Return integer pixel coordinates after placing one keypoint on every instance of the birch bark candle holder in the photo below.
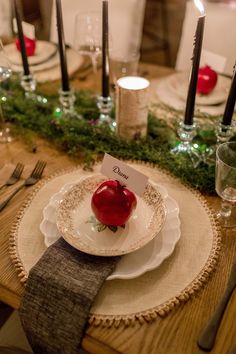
(132, 93)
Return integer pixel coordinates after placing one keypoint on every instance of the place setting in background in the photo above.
(173, 92)
(212, 87)
(42, 56)
(203, 80)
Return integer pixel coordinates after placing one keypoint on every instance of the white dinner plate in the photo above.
(74, 60)
(44, 51)
(74, 213)
(136, 263)
(179, 82)
(166, 95)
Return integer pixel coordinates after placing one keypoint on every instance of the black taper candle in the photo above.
(189, 110)
(230, 103)
(62, 48)
(105, 50)
(21, 40)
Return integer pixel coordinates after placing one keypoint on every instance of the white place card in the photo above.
(126, 175)
(215, 61)
(28, 29)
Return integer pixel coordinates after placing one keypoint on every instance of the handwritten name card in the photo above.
(126, 175)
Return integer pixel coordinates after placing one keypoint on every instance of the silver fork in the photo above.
(15, 176)
(34, 177)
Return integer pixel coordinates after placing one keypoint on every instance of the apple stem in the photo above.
(119, 185)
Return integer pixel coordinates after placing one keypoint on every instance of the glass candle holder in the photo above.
(66, 105)
(186, 134)
(29, 84)
(223, 134)
(105, 105)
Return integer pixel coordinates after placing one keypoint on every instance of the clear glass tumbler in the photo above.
(123, 64)
(225, 182)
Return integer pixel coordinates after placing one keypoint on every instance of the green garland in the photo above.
(84, 139)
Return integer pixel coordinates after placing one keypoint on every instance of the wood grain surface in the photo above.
(176, 333)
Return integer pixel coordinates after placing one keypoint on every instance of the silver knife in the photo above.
(207, 338)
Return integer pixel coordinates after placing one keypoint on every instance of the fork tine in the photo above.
(15, 172)
(18, 170)
(22, 168)
(35, 168)
(39, 170)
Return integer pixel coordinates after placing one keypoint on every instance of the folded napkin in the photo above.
(59, 293)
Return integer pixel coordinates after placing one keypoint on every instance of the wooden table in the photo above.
(177, 333)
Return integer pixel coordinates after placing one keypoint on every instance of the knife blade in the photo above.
(207, 337)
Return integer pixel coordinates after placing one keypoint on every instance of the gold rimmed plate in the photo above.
(73, 219)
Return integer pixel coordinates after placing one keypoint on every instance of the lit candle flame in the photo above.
(199, 6)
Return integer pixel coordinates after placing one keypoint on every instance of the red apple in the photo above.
(113, 203)
(30, 45)
(207, 80)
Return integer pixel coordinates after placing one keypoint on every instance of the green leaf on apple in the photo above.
(112, 228)
(100, 227)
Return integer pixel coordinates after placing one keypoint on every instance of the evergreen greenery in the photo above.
(84, 139)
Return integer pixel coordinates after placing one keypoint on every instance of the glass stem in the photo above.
(225, 210)
(94, 63)
(94, 60)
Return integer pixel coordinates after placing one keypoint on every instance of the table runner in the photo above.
(152, 294)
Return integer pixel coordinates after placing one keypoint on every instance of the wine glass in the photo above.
(5, 73)
(226, 182)
(88, 37)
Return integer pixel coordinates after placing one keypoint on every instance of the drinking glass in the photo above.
(88, 37)
(226, 182)
(123, 64)
(5, 73)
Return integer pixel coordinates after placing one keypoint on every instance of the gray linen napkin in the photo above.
(59, 293)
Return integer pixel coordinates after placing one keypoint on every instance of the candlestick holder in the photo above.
(29, 84)
(66, 105)
(105, 105)
(186, 134)
(223, 134)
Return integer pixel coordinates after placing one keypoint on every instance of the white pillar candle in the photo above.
(132, 106)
